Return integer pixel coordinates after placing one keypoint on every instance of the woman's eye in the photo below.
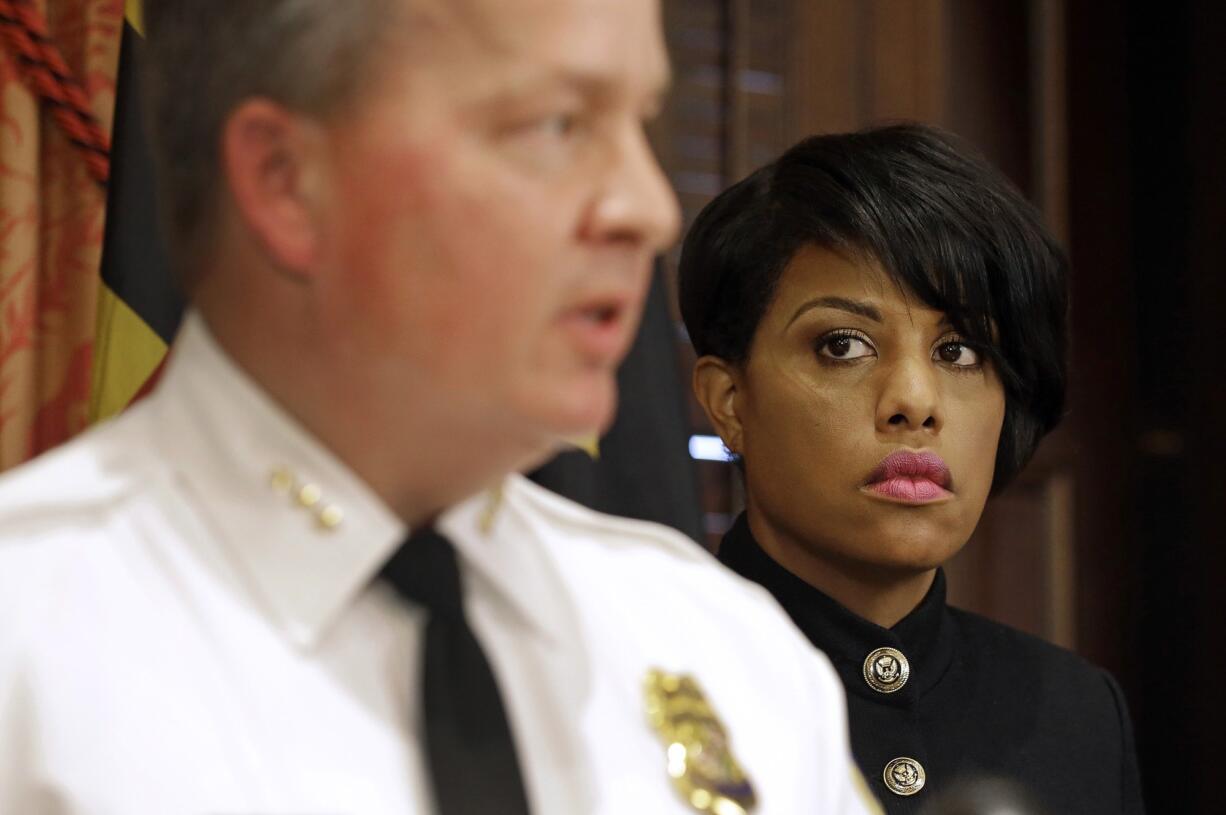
(957, 353)
(844, 347)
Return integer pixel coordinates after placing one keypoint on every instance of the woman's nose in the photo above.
(909, 398)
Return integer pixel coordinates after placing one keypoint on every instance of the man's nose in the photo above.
(637, 205)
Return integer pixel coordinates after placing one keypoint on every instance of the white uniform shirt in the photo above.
(180, 634)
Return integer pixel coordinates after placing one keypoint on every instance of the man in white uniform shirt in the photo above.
(416, 235)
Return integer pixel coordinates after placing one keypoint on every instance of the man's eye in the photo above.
(844, 347)
(957, 353)
(548, 142)
(558, 126)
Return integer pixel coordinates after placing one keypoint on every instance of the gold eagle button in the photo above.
(886, 670)
(699, 757)
(904, 776)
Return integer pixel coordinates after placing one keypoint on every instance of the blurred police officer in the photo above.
(302, 576)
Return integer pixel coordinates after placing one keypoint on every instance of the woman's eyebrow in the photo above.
(857, 307)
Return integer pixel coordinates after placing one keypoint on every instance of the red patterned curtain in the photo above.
(51, 227)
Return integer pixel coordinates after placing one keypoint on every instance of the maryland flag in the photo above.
(139, 306)
(640, 469)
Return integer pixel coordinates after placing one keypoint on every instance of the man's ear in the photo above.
(716, 385)
(272, 159)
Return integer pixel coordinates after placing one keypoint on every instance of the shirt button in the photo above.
(904, 776)
(886, 670)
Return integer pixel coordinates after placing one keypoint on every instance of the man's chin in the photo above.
(547, 447)
(585, 414)
(575, 418)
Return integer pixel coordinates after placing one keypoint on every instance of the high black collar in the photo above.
(925, 636)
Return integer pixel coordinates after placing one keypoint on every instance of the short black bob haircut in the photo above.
(943, 223)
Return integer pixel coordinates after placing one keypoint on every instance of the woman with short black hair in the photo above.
(881, 320)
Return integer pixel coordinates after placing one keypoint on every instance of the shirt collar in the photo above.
(502, 538)
(925, 636)
(305, 534)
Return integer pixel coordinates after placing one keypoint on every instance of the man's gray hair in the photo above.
(204, 57)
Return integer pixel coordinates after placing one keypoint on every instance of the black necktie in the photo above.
(468, 741)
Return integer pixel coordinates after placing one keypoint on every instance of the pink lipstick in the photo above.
(910, 477)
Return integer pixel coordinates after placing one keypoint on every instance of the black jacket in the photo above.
(981, 700)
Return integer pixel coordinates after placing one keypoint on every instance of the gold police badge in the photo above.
(700, 760)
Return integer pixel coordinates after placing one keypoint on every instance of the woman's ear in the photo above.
(716, 384)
